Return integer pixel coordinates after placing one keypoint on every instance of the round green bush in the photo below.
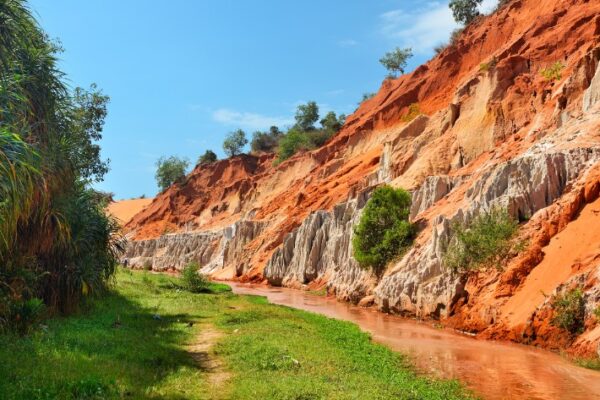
(384, 231)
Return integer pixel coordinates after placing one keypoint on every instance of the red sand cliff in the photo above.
(502, 115)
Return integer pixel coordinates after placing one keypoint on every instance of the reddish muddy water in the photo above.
(493, 370)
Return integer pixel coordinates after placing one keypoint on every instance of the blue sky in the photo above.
(182, 74)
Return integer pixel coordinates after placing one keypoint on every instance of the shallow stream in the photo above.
(493, 370)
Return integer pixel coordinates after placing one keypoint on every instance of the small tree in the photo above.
(266, 141)
(367, 96)
(384, 231)
(332, 123)
(170, 170)
(208, 157)
(306, 116)
(235, 142)
(395, 60)
(465, 11)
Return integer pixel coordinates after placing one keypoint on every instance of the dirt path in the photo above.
(200, 351)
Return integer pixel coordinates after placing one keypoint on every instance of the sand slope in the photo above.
(124, 210)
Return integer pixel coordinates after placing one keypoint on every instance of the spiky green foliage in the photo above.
(56, 244)
(384, 231)
(487, 240)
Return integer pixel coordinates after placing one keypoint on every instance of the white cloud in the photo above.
(248, 120)
(488, 6)
(421, 29)
(347, 43)
(425, 27)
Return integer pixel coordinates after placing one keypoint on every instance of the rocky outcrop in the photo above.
(419, 284)
(175, 251)
(321, 250)
(213, 251)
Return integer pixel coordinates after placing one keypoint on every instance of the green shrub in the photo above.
(20, 316)
(597, 312)
(208, 157)
(553, 72)
(265, 141)
(293, 141)
(487, 240)
(488, 66)
(384, 231)
(569, 311)
(589, 363)
(414, 110)
(192, 280)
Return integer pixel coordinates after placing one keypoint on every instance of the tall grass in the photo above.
(56, 243)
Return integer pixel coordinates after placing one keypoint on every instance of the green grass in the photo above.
(133, 343)
(590, 363)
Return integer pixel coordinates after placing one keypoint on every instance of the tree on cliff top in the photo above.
(170, 170)
(395, 60)
(208, 157)
(234, 143)
(307, 115)
(465, 11)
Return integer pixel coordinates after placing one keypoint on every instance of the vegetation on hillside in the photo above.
(304, 135)
(487, 240)
(208, 157)
(234, 143)
(170, 170)
(384, 231)
(192, 280)
(553, 72)
(569, 310)
(56, 243)
(465, 11)
(266, 142)
(135, 343)
(414, 110)
(395, 61)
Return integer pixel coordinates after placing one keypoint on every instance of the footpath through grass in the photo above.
(135, 344)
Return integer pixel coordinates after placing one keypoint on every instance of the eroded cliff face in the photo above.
(497, 136)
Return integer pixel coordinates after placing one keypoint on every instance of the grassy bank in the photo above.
(148, 339)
